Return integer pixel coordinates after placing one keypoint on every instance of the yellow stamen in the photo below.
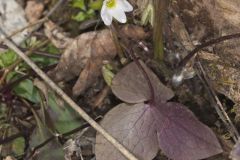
(111, 3)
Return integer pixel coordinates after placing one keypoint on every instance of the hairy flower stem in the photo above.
(140, 67)
(131, 54)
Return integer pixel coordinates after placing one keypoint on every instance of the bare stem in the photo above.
(160, 10)
(136, 60)
(140, 67)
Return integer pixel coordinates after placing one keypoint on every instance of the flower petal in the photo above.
(118, 14)
(126, 6)
(106, 17)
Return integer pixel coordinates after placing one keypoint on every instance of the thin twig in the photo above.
(100, 97)
(54, 137)
(8, 69)
(219, 107)
(68, 100)
(36, 52)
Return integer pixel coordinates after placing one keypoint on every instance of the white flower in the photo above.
(115, 9)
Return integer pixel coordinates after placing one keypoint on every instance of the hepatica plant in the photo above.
(145, 126)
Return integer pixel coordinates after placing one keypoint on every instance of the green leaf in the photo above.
(51, 49)
(65, 117)
(107, 73)
(148, 15)
(18, 146)
(7, 58)
(79, 4)
(26, 90)
(82, 16)
(52, 150)
(95, 4)
(43, 61)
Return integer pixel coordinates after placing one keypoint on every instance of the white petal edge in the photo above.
(118, 14)
(106, 16)
(126, 6)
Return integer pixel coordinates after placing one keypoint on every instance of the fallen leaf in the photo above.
(34, 10)
(9, 158)
(84, 55)
(131, 86)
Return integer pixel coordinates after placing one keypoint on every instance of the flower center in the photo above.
(110, 3)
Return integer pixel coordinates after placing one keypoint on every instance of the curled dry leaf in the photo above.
(34, 10)
(131, 125)
(131, 86)
(85, 54)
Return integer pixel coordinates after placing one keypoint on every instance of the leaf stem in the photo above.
(136, 60)
(206, 44)
(131, 53)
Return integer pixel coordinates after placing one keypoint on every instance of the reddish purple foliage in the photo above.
(178, 133)
(235, 153)
(133, 126)
(181, 136)
(130, 85)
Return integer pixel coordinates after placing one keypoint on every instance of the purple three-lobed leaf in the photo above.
(181, 136)
(144, 128)
(134, 127)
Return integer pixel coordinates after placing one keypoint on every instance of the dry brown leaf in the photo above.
(9, 158)
(84, 55)
(34, 10)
